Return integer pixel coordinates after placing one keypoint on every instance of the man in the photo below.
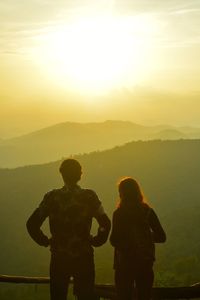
(70, 211)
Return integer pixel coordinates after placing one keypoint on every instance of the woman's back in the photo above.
(131, 234)
(135, 229)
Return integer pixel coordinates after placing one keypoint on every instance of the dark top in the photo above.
(70, 212)
(135, 229)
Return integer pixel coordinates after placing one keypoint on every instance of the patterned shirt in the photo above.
(70, 212)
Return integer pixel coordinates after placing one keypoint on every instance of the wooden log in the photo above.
(24, 279)
(108, 291)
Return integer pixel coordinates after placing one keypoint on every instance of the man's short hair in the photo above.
(70, 170)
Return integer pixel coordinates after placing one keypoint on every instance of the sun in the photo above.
(95, 54)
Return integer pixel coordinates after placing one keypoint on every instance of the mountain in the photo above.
(192, 132)
(168, 172)
(64, 139)
(61, 140)
(170, 134)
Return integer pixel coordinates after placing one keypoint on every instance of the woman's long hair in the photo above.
(130, 193)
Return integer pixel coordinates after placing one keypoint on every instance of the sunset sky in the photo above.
(94, 60)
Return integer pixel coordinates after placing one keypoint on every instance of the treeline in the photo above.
(168, 172)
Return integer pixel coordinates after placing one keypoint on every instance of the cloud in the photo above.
(21, 20)
(181, 25)
(186, 11)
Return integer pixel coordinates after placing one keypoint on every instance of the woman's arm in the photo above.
(117, 238)
(158, 232)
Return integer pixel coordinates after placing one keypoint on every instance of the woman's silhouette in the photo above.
(135, 229)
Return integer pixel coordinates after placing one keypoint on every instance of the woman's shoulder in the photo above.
(117, 211)
(146, 208)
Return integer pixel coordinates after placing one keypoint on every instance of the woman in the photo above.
(135, 229)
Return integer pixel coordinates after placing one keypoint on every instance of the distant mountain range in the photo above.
(66, 139)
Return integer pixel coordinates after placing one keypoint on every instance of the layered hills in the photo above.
(168, 172)
(62, 140)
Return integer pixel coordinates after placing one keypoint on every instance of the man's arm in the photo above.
(36, 220)
(102, 219)
(104, 228)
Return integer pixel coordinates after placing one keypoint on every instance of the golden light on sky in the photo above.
(97, 53)
(92, 60)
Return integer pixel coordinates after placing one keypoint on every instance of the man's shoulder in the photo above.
(90, 193)
(79, 190)
(52, 193)
(85, 195)
(91, 198)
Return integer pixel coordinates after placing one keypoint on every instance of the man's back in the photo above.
(70, 212)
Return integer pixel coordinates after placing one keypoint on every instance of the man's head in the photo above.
(70, 170)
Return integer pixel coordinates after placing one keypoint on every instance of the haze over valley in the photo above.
(65, 139)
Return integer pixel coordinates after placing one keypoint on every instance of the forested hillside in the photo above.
(169, 173)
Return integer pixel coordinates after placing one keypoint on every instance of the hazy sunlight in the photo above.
(96, 54)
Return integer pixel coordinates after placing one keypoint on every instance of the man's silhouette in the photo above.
(70, 211)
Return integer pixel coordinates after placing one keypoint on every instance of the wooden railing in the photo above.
(108, 291)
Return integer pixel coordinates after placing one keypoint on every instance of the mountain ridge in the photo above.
(69, 138)
(168, 172)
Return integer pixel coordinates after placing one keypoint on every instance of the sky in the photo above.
(88, 61)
